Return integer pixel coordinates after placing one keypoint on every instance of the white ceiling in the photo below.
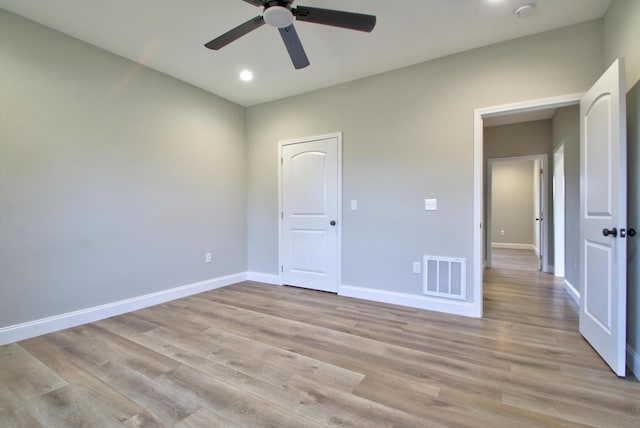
(168, 36)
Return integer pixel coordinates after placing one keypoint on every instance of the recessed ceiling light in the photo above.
(246, 75)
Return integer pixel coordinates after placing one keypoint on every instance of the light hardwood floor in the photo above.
(253, 355)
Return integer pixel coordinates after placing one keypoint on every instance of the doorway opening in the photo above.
(516, 200)
(509, 113)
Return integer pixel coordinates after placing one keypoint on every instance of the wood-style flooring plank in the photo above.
(100, 394)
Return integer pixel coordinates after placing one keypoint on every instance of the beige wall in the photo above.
(408, 135)
(114, 179)
(512, 202)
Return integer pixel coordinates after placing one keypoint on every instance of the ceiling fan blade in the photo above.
(294, 46)
(336, 18)
(255, 2)
(235, 33)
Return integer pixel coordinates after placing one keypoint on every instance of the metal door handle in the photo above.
(613, 232)
(332, 222)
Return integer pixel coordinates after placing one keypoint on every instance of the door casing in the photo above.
(558, 211)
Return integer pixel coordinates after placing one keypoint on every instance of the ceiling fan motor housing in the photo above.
(278, 14)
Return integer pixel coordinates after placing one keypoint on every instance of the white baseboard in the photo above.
(633, 361)
(572, 291)
(510, 246)
(410, 300)
(17, 332)
(265, 278)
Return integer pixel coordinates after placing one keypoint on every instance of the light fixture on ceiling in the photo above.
(524, 10)
(246, 75)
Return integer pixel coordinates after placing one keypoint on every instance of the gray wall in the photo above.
(622, 38)
(114, 179)
(408, 135)
(518, 139)
(512, 202)
(633, 220)
(566, 130)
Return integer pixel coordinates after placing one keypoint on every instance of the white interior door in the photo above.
(310, 202)
(603, 208)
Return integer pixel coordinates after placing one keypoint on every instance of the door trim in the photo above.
(478, 174)
(281, 144)
(558, 213)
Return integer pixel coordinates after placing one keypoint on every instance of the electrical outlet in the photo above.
(502, 232)
(417, 267)
(207, 257)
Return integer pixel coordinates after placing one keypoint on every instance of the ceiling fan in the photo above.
(280, 14)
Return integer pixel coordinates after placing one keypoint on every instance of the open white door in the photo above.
(310, 210)
(603, 211)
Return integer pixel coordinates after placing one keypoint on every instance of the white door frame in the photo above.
(478, 142)
(558, 211)
(543, 207)
(281, 144)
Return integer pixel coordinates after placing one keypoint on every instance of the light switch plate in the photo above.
(354, 205)
(417, 267)
(430, 204)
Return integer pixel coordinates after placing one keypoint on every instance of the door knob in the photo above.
(332, 222)
(613, 232)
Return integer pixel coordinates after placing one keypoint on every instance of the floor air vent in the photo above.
(445, 277)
